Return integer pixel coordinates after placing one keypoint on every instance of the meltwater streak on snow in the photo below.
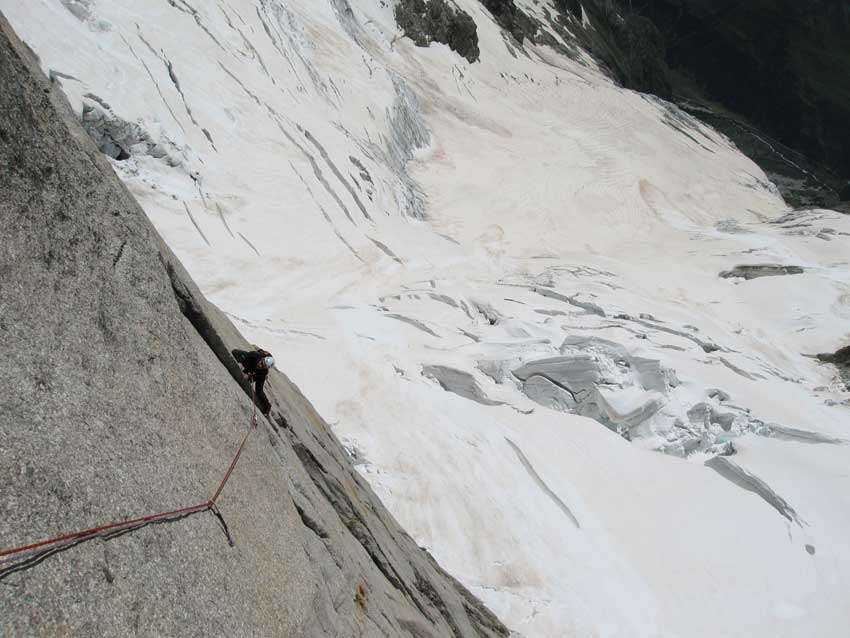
(407, 211)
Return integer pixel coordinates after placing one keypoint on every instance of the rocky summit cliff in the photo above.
(118, 399)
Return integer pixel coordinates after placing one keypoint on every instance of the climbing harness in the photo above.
(19, 558)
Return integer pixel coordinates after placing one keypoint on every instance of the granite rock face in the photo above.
(118, 398)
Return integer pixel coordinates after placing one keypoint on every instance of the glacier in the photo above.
(510, 285)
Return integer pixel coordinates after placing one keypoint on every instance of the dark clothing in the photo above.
(249, 362)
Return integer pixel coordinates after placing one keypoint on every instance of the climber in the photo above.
(255, 364)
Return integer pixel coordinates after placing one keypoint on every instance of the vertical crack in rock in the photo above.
(353, 521)
(542, 484)
(119, 254)
(482, 621)
(310, 523)
(427, 590)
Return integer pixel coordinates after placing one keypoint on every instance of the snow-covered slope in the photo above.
(501, 281)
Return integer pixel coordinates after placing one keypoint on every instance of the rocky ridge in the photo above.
(437, 21)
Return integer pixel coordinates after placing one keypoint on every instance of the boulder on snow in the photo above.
(754, 271)
(840, 357)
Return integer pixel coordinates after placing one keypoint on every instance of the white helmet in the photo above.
(268, 362)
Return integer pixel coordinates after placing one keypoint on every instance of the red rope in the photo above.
(241, 446)
(17, 554)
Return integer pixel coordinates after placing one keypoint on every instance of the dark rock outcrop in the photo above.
(783, 65)
(118, 398)
(754, 271)
(511, 18)
(840, 359)
(426, 21)
(571, 7)
(627, 44)
(771, 76)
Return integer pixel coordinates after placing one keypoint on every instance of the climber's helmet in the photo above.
(267, 362)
